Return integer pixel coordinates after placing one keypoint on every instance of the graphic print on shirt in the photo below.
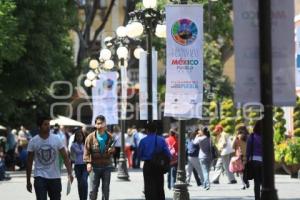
(46, 154)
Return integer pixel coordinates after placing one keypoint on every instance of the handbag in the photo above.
(214, 151)
(249, 168)
(160, 161)
(236, 165)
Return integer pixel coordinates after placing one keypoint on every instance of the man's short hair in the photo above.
(40, 120)
(101, 118)
(151, 127)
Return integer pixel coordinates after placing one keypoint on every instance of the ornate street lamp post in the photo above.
(150, 21)
(119, 46)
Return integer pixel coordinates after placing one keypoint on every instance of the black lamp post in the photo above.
(265, 40)
(150, 21)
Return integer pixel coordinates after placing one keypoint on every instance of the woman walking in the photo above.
(239, 145)
(205, 153)
(254, 154)
(80, 167)
(193, 160)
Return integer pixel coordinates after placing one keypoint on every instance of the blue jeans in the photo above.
(42, 186)
(205, 166)
(82, 175)
(104, 175)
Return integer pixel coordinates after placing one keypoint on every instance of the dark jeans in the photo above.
(257, 178)
(117, 155)
(82, 175)
(153, 183)
(136, 160)
(42, 186)
(104, 175)
(196, 175)
(172, 176)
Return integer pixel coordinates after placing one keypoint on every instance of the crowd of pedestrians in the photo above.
(96, 154)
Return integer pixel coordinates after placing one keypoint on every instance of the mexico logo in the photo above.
(184, 32)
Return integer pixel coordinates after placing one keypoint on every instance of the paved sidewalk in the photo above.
(288, 189)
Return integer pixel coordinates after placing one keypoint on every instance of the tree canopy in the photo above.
(35, 50)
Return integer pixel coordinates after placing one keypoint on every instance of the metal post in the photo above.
(180, 187)
(122, 167)
(268, 189)
(149, 71)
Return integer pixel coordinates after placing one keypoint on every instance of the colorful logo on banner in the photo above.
(108, 84)
(184, 32)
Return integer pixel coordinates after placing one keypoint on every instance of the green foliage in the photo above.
(213, 115)
(228, 116)
(11, 40)
(46, 56)
(297, 132)
(239, 118)
(296, 116)
(288, 151)
(279, 125)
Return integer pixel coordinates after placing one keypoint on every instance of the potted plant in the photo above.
(288, 153)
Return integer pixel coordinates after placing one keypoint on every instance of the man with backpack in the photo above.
(153, 177)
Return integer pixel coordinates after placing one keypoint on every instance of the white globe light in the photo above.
(149, 3)
(129, 30)
(105, 54)
(137, 52)
(90, 75)
(121, 31)
(109, 64)
(161, 31)
(87, 83)
(134, 29)
(118, 75)
(94, 82)
(122, 52)
(93, 64)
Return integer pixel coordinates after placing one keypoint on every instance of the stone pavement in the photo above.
(288, 189)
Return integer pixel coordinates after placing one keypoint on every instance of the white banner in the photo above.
(283, 46)
(246, 51)
(184, 85)
(143, 85)
(123, 92)
(105, 98)
(297, 56)
(246, 46)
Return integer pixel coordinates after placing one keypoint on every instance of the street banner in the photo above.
(143, 80)
(105, 98)
(184, 68)
(123, 92)
(246, 51)
(297, 56)
(246, 47)
(283, 55)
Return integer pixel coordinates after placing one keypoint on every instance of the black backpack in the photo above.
(160, 161)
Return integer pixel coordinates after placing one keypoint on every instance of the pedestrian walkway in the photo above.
(288, 189)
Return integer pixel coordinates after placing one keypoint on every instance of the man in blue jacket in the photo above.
(153, 179)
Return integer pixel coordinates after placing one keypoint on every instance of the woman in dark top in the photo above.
(254, 153)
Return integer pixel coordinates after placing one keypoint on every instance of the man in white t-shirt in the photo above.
(44, 149)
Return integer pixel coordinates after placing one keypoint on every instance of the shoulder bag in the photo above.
(160, 161)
